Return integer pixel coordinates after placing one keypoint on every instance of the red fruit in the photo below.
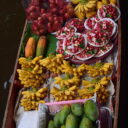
(33, 15)
(56, 23)
(70, 11)
(31, 8)
(55, 18)
(37, 8)
(65, 8)
(62, 12)
(43, 11)
(54, 10)
(44, 15)
(49, 24)
(60, 19)
(42, 31)
(66, 16)
(50, 19)
(52, 1)
(34, 28)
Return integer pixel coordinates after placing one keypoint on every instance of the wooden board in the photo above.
(8, 121)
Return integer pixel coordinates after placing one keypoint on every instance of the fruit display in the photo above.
(31, 99)
(88, 8)
(76, 115)
(47, 18)
(109, 11)
(68, 62)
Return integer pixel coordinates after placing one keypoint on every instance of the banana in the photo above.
(92, 2)
(90, 6)
(85, 8)
(77, 8)
(75, 1)
(82, 7)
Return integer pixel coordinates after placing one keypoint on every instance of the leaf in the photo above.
(94, 81)
(98, 65)
(51, 44)
(82, 45)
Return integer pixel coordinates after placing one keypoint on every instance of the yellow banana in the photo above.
(90, 6)
(77, 8)
(75, 1)
(85, 8)
(92, 2)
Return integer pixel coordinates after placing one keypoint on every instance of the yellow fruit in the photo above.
(113, 2)
(75, 1)
(99, 4)
(105, 1)
(80, 15)
(90, 14)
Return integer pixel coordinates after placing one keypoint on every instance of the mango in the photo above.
(86, 123)
(63, 114)
(71, 121)
(91, 110)
(63, 126)
(57, 120)
(51, 124)
(77, 109)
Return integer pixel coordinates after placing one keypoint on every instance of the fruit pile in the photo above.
(96, 39)
(45, 16)
(76, 115)
(31, 98)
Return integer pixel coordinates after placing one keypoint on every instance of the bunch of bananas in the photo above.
(95, 86)
(31, 74)
(64, 94)
(103, 94)
(100, 69)
(31, 99)
(85, 8)
(68, 82)
(53, 63)
(28, 79)
(57, 64)
(76, 71)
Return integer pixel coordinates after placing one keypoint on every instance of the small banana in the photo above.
(75, 1)
(85, 8)
(92, 2)
(90, 6)
(81, 7)
(77, 8)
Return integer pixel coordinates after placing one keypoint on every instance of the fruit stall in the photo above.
(67, 71)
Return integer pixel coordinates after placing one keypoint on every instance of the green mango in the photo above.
(63, 114)
(63, 126)
(77, 109)
(86, 123)
(91, 110)
(51, 124)
(71, 121)
(57, 120)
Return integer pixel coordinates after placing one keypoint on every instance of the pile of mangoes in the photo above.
(76, 116)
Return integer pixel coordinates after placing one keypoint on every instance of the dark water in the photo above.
(12, 20)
